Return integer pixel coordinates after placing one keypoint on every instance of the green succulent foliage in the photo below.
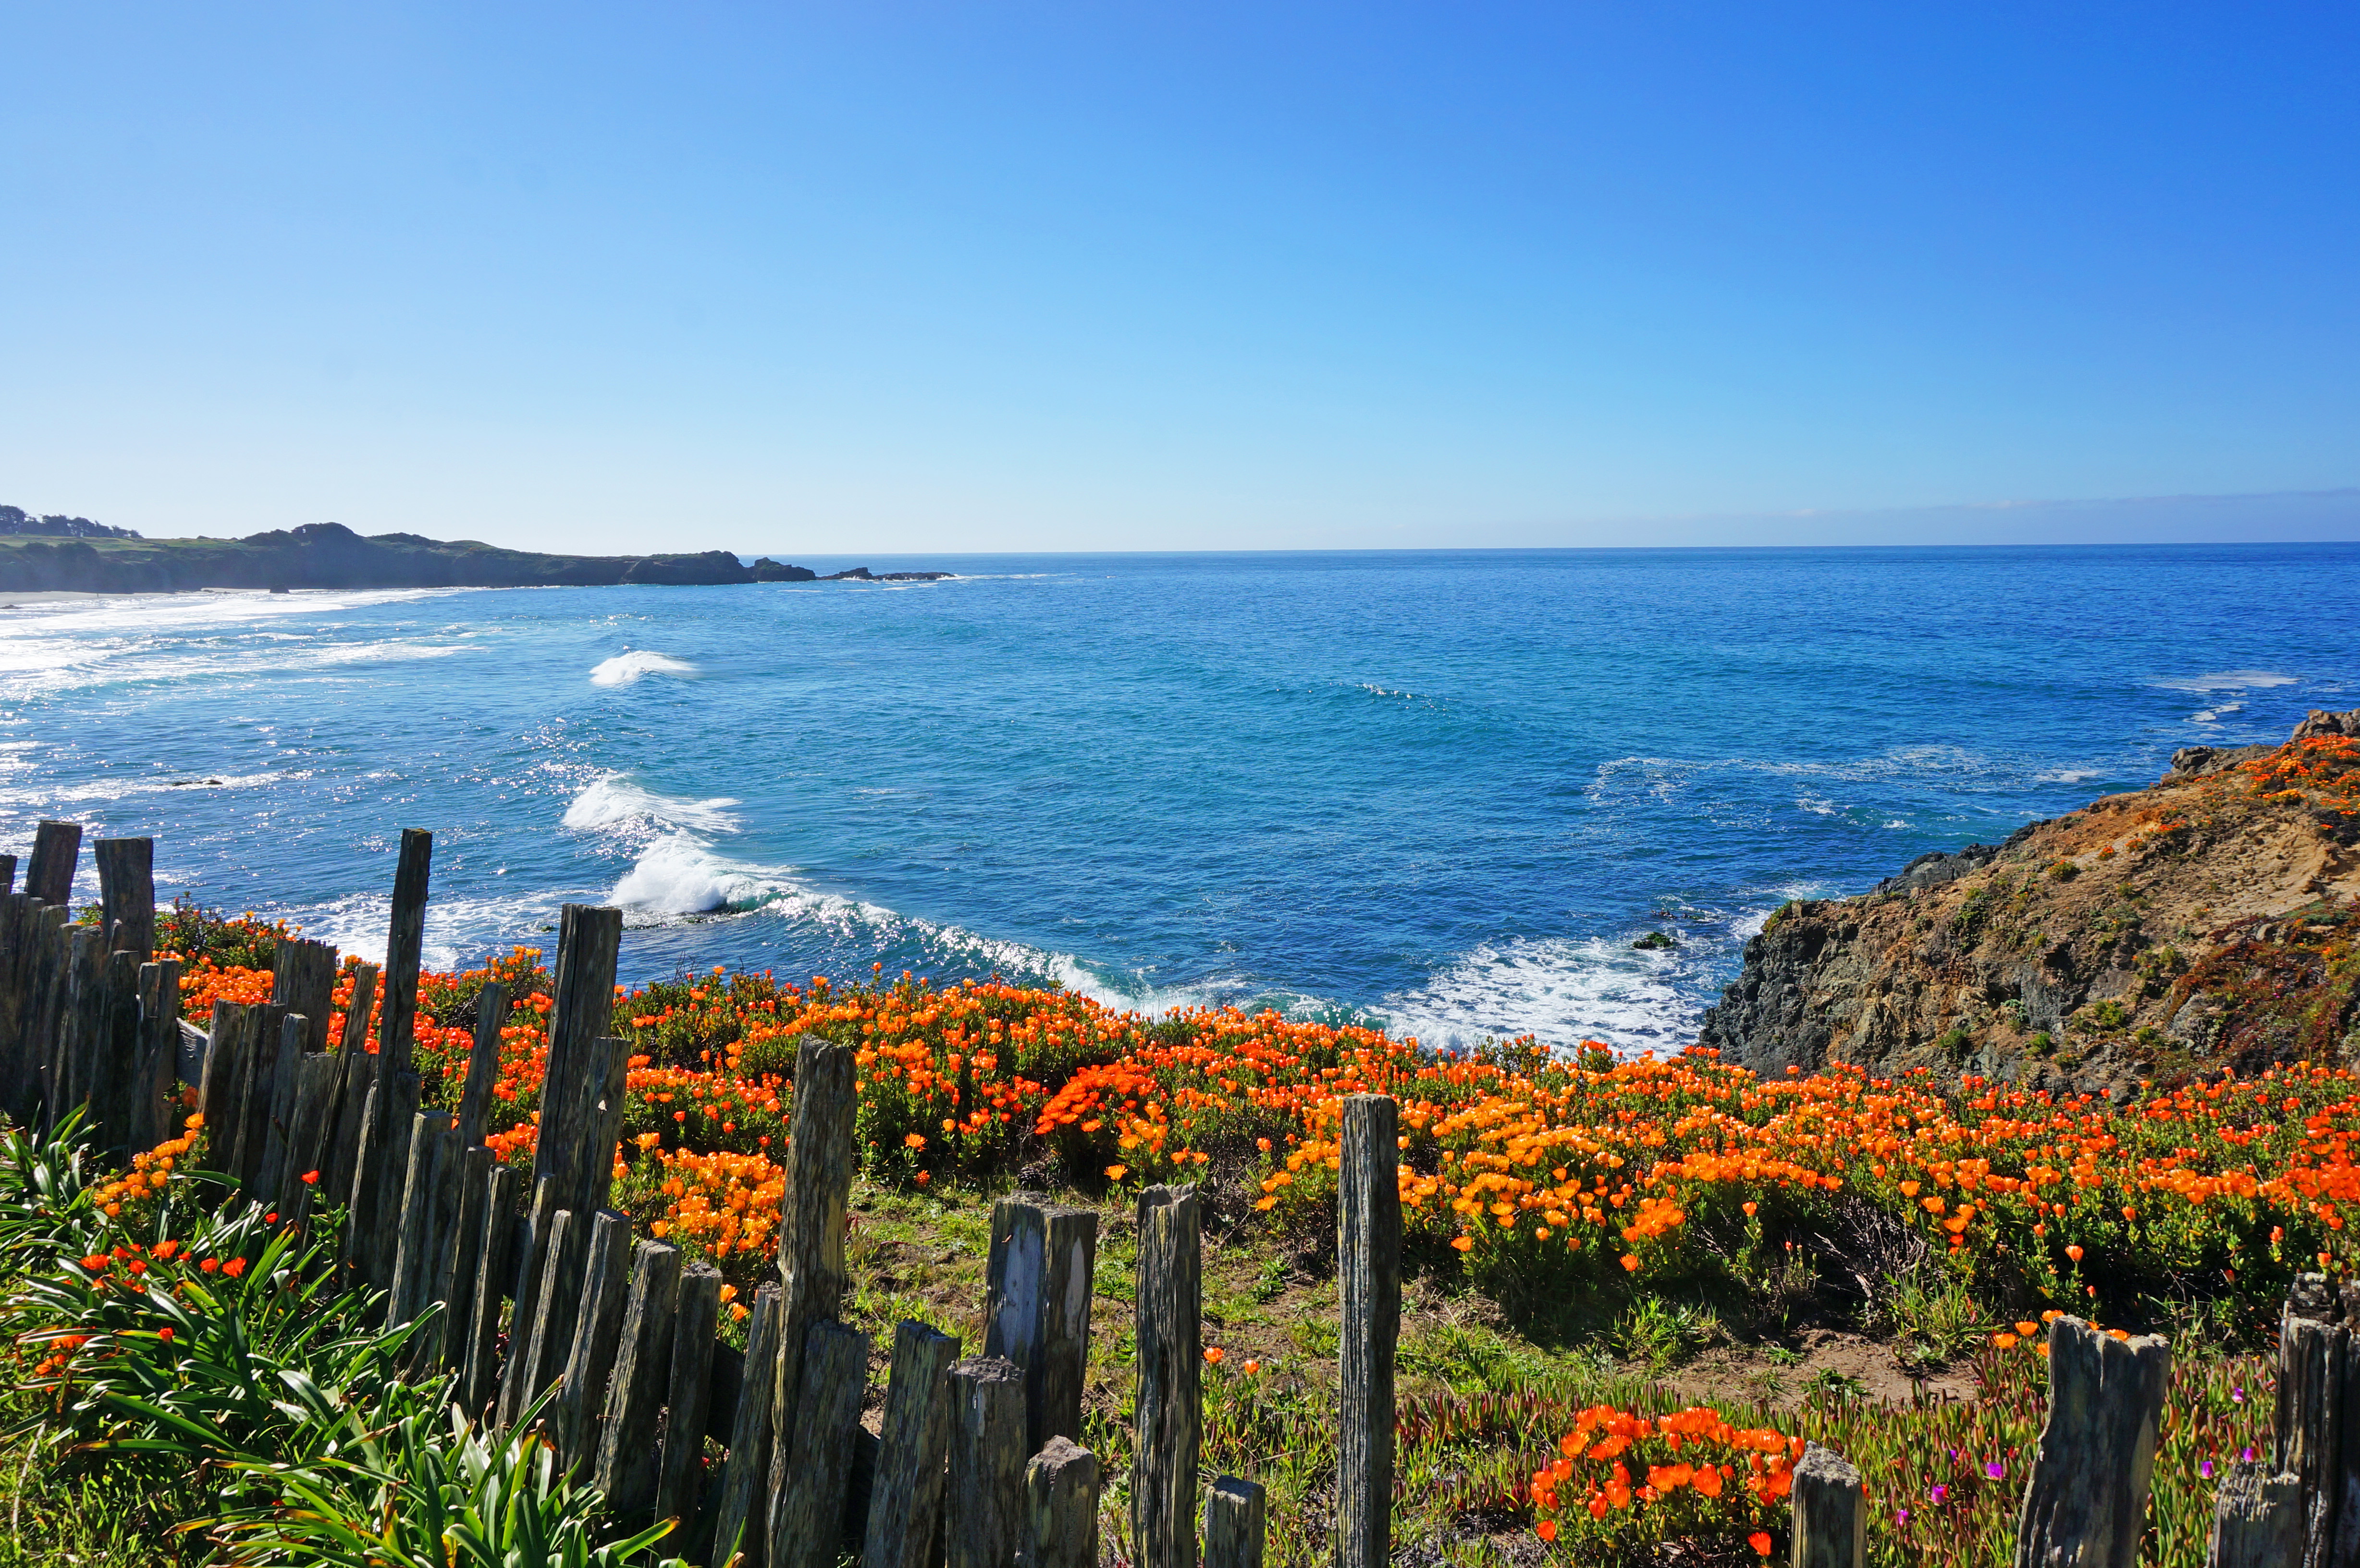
(45, 1207)
(209, 1367)
(427, 1490)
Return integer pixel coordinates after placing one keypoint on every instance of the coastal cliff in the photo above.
(329, 555)
(2206, 920)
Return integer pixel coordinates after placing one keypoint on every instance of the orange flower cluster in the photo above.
(723, 1203)
(2318, 771)
(1511, 1155)
(1696, 1451)
(203, 983)
(151, 1171)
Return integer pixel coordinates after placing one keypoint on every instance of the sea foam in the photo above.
(639, 663)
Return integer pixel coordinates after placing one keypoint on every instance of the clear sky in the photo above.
(881, 278)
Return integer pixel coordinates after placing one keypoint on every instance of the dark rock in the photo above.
(1935, 868)
(2198, 761)
(2323, 722)
(768, 571)
(1653, 941)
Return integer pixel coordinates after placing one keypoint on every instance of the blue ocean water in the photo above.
(1447, 790)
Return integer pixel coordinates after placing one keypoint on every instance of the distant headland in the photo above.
(75, 555)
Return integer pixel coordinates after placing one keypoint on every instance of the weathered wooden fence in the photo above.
(546, 1303)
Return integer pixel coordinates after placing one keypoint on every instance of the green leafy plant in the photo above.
(426, 1490)
(232, 1345)
(45, 1207)
(1931, 1318)
(1663, 1333)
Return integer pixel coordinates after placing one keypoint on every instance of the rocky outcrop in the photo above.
(2207, 919)
(329, 555)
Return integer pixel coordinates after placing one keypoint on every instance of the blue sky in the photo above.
(883, 277)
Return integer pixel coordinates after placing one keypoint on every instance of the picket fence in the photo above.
(548, 1305)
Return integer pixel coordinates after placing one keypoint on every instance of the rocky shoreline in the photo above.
(2207, 920)
(329, 555)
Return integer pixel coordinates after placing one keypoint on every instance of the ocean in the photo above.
(1442, 791)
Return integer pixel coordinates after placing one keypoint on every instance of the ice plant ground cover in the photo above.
(1577, 1194)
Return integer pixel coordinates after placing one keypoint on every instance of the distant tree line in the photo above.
(16, 520)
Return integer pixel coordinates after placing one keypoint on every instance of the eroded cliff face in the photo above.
(2208, 920)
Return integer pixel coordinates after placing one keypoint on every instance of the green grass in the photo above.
(92, 1520)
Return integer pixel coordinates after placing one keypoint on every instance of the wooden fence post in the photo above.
(222, 1094)
(986, 1524)
(494, 1267)
(1061, 1506)
(7, 875)
(558, 1305)
(265, 1043)
(1368, 1271)
(1069, 1282)
(522, 1379)
(126, 895)
(1039, 1283)
(2085, 1501)
(1233, 1524)
(738, 1517)
(483, 1063)
(626, 1447)
(820, 1155)
(384, 1133)
(315, 1088)
(358, 1075)
(1170, 1358)
(398, 1094)
(687, 1390)
(50, 877)
(1013, 1278)
(13, 919)
(2312, 1352)
(405, 940)
(157, 1079)
(807, 1516)
(303, 980)
(369, 1158)
(582, 1396)
(582, 1011)
(1829, 1516)
(416, 1246)
(45, 1008)
(117, 1086)
(907, 1501)
(456, 1284)
(286, 1077)
(2257, 1521)
(80, 1023)
(20, 927)
(532, 1262)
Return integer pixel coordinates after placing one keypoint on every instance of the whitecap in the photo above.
(679, 874)
(2228, 681)
(613, 800)
(1562, 990)
(626, 667)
